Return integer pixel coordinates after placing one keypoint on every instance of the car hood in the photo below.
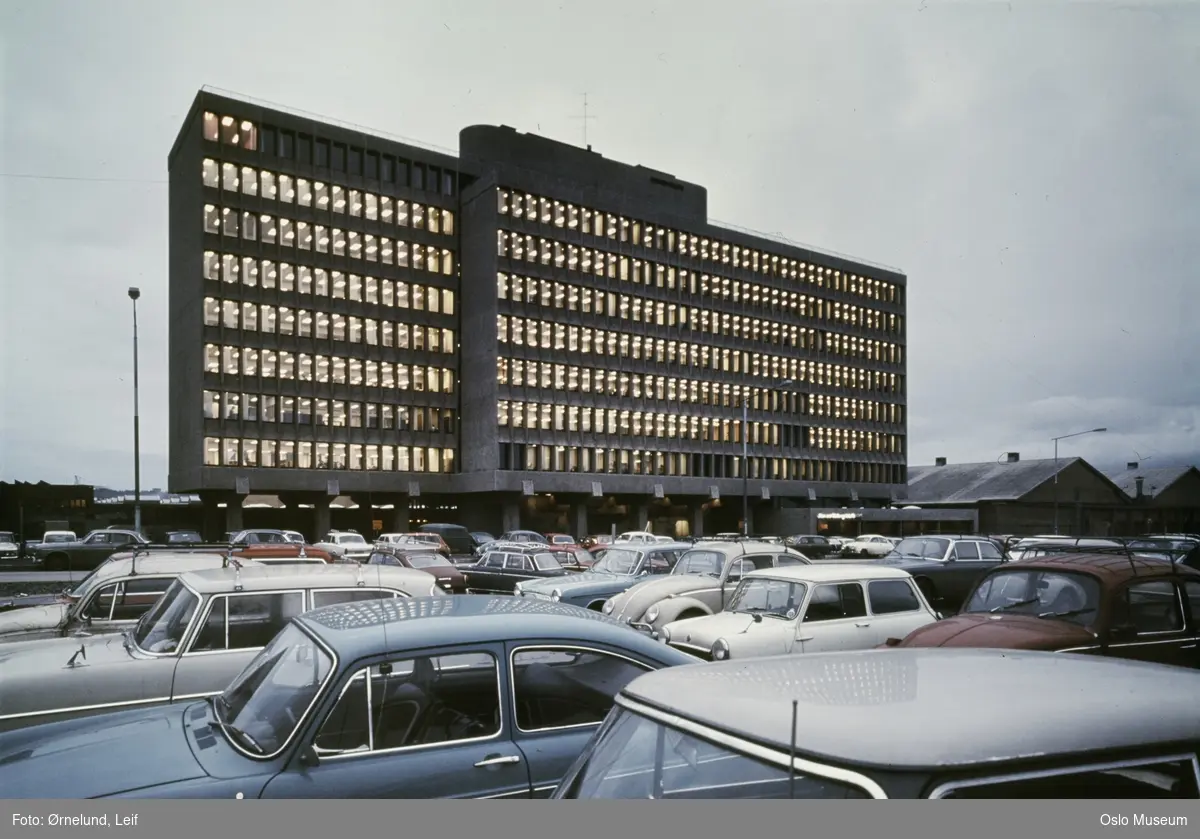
(581, 582)
(32, 618)
(703, 631)
(35, 673)
(909, 562)
(1000, 631)
(95, 757)
(633, 603)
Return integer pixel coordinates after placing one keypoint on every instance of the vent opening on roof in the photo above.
(941, 461)
(1014, 457)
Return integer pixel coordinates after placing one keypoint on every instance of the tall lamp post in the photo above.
(1056, 439)
(134, 294)
(745, 453)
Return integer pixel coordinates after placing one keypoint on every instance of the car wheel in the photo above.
(596, 606)
(56, 562)
(928, 589)
(690, 613)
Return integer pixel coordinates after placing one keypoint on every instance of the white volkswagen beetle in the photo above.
(806, 609)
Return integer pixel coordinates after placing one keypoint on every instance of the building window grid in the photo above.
(306, 454)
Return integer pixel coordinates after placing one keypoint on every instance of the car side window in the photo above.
(891, 596)
(410, 703)
(557, 687)
(966, 551)
(836, 602)
(989, 551)
(784, 560)
(1152, 607)
(137, 596)
(1167, 779)
(661, 562)
(101, 605)
(493, 560)
(328, 597)
(97, 539)
(740, 568)
(1191, 590)
(247, 621)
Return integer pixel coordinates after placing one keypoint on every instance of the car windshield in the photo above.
(186, 536)
(700, 562)
(351, 539)
(427, 560)
(52, 538)
(920, 548)
(618, 561)
(162, 628)
(635, 757)
(5, 536)
(86, 583)
(1045, 594)
(546, 562)
(263, 706)
(762, 595)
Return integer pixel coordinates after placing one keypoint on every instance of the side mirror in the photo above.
(309, 756)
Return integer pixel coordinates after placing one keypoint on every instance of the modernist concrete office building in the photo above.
(525, 334)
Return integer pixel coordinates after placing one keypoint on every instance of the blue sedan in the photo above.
(461, 697)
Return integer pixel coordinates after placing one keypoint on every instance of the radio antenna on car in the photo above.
(792, 751)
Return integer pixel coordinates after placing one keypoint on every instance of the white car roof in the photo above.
(823, 573)
(161, 563)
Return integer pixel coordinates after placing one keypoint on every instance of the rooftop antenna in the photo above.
(792, 751)
(585, 117)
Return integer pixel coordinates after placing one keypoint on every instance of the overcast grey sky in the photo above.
(1032, 166)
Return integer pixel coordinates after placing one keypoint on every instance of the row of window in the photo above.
(588, 420)
(546, 335)
(516, 247)
(519, 372)
(319, 195)
(239, 314)
(357, 372)
(355, 457)
(571, 298)
(529, 457)
(305, 279)
(303, 410)
(273, 230)
(339, 157)
(547, 211)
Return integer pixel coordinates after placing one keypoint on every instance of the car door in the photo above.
(424, 724)
(961, 572)
(894, 608)
(517, 567)
(1152, 610)
(121, 603)
(232, 630)
(835, 618)
(482, 576)
(561, 693)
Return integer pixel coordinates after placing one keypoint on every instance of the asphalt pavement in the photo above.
(42, 576)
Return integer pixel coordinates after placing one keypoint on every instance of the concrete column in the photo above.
(399, 523)
(643, 513)
(214, 517)
(698, 520)
(580, 519)
(233, 512)
(322, 519)
(512, 516)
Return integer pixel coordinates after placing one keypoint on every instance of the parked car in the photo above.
(184, 537)
(560, 538)
(1009, 725)
(110, 599)
(699, 584)
(635, 536)
(813, 547)
(422, 559)
(869, 545)
(1099, 604)
(86, 553)
(458, 697)
(572, 557)
(806, 609)
(945, 567)
(9, 549)
(481, 537)
(500, 569)
(1030, 548)
(1172, 550)
(198, 636)
(345, 546)
(616, 570)
(523, 536)
(425, 541)
(259, 536)
(597, 541)
(456, 538)
(58, 537)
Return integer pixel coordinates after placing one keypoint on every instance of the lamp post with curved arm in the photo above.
(1056, 439)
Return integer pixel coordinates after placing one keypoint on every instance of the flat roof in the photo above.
(820, 572)
(160, 563)
(928, 709)
(263, 577)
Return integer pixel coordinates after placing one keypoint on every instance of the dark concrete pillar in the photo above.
(233, 512)
(399, 517)
(643, 517)
(579, 519)
(321, 517)
(512, 516)
(698, 520)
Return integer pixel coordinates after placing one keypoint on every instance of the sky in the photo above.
(1032, 167)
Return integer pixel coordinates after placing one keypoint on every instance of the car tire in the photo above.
(596, 605)
(690, 613)
(56, 562)
(928, 589)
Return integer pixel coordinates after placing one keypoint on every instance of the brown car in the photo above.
(281, 550)
(1109, 604)
(427, 559)
(572, 557)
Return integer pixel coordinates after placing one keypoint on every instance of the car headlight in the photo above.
(720, 650)
(556, 595)
(517, 589)
(652, 614)
(608, 607)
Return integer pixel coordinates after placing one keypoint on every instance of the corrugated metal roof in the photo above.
(1155, 480)
(969, 483)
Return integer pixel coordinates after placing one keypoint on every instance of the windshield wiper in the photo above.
(1066, 614)
(758, 610)
(1008, 606)
(234, 732)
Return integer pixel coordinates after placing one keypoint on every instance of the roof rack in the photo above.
(190, 547)
(1172, 555)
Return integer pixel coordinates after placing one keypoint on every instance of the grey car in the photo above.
(197, 637)
(110, 599)
(618, 568)
(700, 583)
(88, 552)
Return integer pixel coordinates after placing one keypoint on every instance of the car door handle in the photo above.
(862, 625)
(805, 637)
(497, 760)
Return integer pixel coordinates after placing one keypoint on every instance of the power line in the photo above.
(69, 178)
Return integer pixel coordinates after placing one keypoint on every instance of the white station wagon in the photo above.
(807, 609)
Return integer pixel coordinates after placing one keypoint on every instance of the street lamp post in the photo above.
(1056, 439)
(745, 453)
(134, 294)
